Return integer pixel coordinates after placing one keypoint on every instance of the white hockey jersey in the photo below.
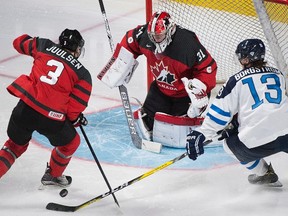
(258, 97)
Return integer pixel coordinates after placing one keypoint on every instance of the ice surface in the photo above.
(222, 190)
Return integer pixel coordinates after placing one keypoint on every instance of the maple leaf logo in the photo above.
(162, 73)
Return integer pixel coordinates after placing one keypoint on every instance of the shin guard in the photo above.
(8, 154)
(61, 156)
(258, 167)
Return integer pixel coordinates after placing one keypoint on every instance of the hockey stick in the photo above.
(98, 163)
(65, 208)
(136, 139)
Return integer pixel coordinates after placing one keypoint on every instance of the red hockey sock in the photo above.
(61, 156)
(8, 154)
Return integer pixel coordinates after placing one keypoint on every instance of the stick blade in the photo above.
(62, 208)
(151, 146)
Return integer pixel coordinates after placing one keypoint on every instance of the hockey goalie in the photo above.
(184, 72)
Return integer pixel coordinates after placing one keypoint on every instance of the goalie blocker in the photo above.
(169, 130)
(119, 69)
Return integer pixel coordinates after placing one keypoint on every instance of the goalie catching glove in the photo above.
(198, 96)
(119, 69)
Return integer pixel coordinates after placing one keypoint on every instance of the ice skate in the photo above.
(270, 178)
(61, 181)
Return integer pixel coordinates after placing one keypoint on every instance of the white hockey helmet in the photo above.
(160, 30)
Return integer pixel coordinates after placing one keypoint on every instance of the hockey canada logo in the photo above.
(162, 73)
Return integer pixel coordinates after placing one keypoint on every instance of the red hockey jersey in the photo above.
(184, 57)
(58, 86)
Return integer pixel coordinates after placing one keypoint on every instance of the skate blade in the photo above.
(52, 186)
(275, 184)
(49, 187)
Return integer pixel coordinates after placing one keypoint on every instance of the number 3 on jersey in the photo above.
(274, 87)
(52, 77)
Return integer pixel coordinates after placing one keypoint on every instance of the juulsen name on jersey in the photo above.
(63, 54)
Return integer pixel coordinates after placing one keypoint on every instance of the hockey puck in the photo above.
(63, 193)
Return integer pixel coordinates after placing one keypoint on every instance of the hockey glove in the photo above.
(194, 144)
(230, 130)
(81, 120)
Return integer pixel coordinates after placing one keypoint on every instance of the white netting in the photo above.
(220, 27)
(278, 14)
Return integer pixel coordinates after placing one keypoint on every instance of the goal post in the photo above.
(221, 25)
(149, 6)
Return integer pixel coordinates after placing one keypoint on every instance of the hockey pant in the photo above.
(252, 158)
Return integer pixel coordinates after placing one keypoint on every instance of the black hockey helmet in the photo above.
(253, 49)
(71, 39)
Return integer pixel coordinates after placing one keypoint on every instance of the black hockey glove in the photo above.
(81, 120)
(231, 129)
(194, 144)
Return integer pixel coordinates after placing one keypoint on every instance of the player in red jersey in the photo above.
(184, 71)
(52, 99)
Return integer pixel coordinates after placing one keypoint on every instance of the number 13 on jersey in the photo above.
(273, 92)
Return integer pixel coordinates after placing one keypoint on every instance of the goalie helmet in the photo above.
(71, 40)
(252, 49)
(160, 30)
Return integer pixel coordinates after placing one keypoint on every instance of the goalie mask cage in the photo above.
(221, 25)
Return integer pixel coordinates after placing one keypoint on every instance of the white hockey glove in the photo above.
(198, 96)
(119, 69)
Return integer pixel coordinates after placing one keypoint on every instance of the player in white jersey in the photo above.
(255, 100)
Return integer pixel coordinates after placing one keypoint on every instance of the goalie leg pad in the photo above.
(143, 131)
(119, 69)
(171, 131)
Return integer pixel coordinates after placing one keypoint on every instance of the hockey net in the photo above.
(221, 25)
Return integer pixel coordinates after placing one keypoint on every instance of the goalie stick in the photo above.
(137, 141)
(66, 208)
